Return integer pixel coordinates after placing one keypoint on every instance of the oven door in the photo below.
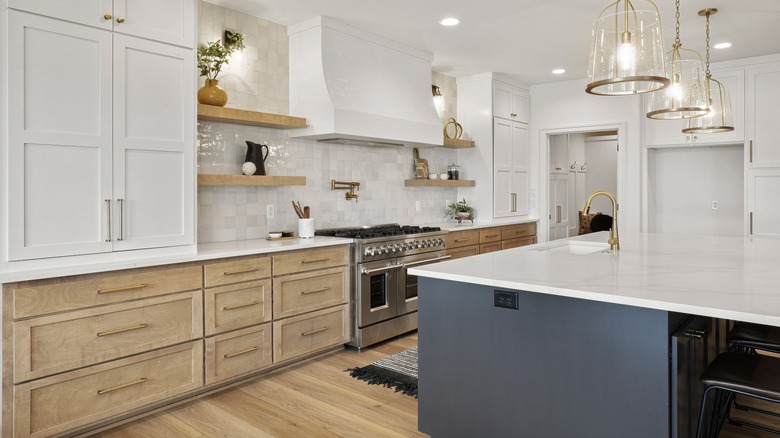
(377, 291)
(407, 286)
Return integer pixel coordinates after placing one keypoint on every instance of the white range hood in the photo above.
(355, 87)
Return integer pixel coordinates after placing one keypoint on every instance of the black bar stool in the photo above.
(748, 337)
(732, 373)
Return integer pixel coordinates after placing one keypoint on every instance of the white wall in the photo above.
(601, 156)
(683, 182)
(565, 105)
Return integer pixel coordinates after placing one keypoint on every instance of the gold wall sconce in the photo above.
(351, 186)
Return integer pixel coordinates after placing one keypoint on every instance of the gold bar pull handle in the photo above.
(121, 219)
(557, 214)
(490, 236)
(122, 289)
(122, 330)
(751, 151)
(239, 353)
(245, 271)
(321, 329)
(316, 260)
(750, 232)
(313, 291)
(108, 207)
(122, 386)
(461, 240)
(240, 306)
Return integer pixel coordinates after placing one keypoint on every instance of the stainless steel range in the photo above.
(385, 296)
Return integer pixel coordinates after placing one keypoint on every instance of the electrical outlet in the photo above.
(269, 211)
(507, 300)
(714, 205)
(417, 205)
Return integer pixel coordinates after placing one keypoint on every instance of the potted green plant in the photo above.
(211, 57)
(460, 210)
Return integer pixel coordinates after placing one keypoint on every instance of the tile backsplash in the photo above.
(238, 213)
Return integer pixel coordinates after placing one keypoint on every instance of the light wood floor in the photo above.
(313, 399)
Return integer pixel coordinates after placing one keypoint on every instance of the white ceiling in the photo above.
(526, 38)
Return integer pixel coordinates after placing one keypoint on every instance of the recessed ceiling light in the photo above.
(558, 71)
(722, 45)
(449, 21)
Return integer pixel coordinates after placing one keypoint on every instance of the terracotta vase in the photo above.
(211, 94)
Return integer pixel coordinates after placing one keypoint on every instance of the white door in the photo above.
(97, 13)
(502, 100)
(154, 127)
(520, 169)
(763, 208)
(503, 187)
(170, 21)
(59, 137)
(763, 129)
(519, 106)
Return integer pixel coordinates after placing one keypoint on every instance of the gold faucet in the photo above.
(348, 185)
(614, 241)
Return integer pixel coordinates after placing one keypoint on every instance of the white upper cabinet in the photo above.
(169, 21)
(510, 102)
(763, 209)
(510, 164)
(762, 111)
(669, 132)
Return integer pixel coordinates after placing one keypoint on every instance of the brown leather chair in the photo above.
(748, 337)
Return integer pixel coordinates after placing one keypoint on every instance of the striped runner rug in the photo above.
(398, 371)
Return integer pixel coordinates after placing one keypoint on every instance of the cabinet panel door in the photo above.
(89, 12)
(763, 187)
(520, 178)
(502, 168)
(763, 93)
(502, 100)
(154, 125)
(520, 106)
(170, 21)
(59, 137)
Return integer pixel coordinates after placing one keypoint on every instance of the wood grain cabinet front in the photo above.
(64, 402)
(56, 343)
(310, 332)
(519, 230)
(302, 261)
(459, 253)
(236, 270)
(40, 297)
(237, 306)
(457, 239)
(514, 243)
(236, 353)
(490, 235)
(299, 293)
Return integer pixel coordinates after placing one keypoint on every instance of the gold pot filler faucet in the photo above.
(614, 242)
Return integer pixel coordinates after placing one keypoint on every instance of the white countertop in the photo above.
(724, 277)
(64, 266)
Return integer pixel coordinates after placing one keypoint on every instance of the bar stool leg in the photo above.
(703, 410)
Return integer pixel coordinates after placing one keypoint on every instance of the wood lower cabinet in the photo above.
(307, 333)
(298, 293)
(236, 353)
(236, 306)
(466, 243)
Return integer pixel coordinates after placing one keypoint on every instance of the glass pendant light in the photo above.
(719, 119)
(686, 96)
(627, 55)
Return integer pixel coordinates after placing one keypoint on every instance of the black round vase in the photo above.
(254, 154)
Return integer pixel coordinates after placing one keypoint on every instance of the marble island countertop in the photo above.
(724, 277)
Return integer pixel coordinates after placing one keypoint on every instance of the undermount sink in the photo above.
(574, 247)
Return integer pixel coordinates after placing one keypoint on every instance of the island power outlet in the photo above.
(507, 300)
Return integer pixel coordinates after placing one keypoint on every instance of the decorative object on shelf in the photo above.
(254, 154)
(233, 40)
(438, 99)
(686, 96)
(349, 185)
(433, 176)
(436, 91)
(453, 170)
(627, 55)
(461, 211)
(444, 176)
(211, 57)
(719, 119)
(420, 165)
(456, 126)
(248, 168)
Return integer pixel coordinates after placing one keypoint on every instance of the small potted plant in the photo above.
(211, 57)
(461, 211)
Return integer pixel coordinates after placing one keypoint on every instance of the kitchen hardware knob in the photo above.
(393, 248)
(108, 16)
(382, 249)
(514, 114)
(120, 20)
(369, 251)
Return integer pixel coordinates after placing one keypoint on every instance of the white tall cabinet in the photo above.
(510, 168)
(101, 127)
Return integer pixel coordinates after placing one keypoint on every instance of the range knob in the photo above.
(393, 247)
(404, 247)
(369, 251)
(419, 243)
(381, 249)
(440, 242)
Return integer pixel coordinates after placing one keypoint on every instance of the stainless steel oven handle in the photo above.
(374, 271)
(437, 259)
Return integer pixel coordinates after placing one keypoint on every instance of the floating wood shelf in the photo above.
(457, 143)
(439, 183)
(245, 117)
(205, 179)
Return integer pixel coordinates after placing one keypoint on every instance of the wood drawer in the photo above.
(301, 261)
(236, 270)
(463, 252)
(489, 235)
(67, 401)
(299, 293)
(456, 239)
(519, 230)
(489, 247)
(237, 306)
(514, 243)
(70, 293)
(308, 333)
(237, 353)
(51, 344)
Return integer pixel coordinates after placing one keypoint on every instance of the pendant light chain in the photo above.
(677, 30)
(708, 46)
